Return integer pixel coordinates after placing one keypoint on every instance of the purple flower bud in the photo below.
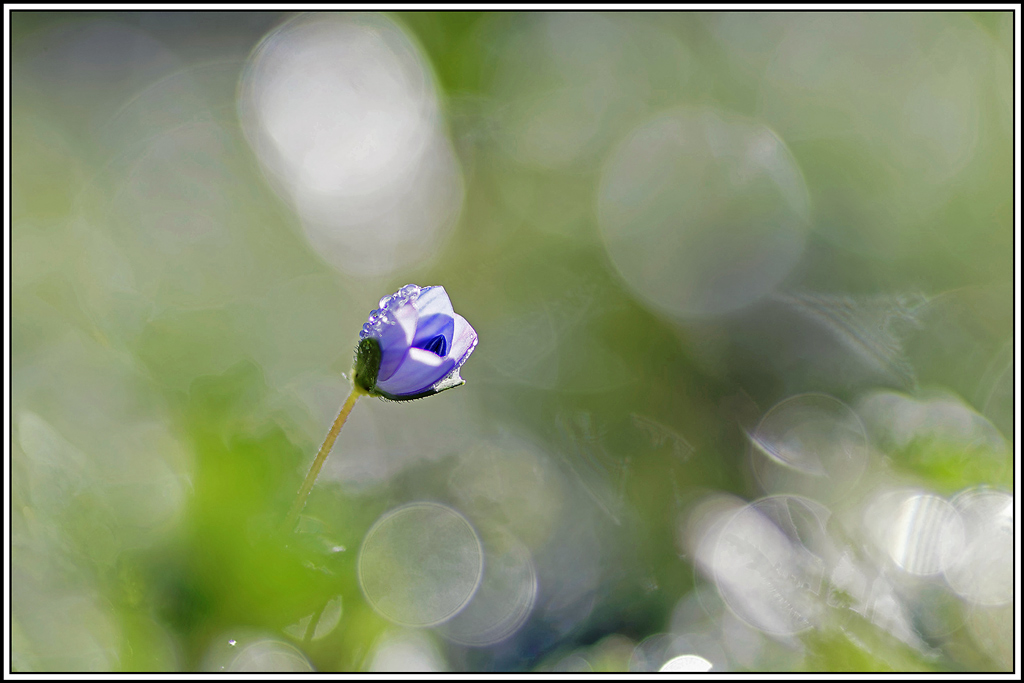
(422, 343)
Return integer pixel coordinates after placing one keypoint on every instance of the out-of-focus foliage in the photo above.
(743, 393)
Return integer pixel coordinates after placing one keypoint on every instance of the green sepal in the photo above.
(366, 365)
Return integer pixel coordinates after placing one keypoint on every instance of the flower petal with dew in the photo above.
(413, 345)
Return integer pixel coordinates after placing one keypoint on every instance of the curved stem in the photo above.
(321, 456)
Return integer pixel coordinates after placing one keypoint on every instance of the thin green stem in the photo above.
(321, 456)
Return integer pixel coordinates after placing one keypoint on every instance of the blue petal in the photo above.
(431, 326)
(419, 370)
(464, 340)
(433, 301)
(438, 345)
(396, 339)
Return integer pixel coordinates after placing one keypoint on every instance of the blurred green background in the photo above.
(743, 392)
